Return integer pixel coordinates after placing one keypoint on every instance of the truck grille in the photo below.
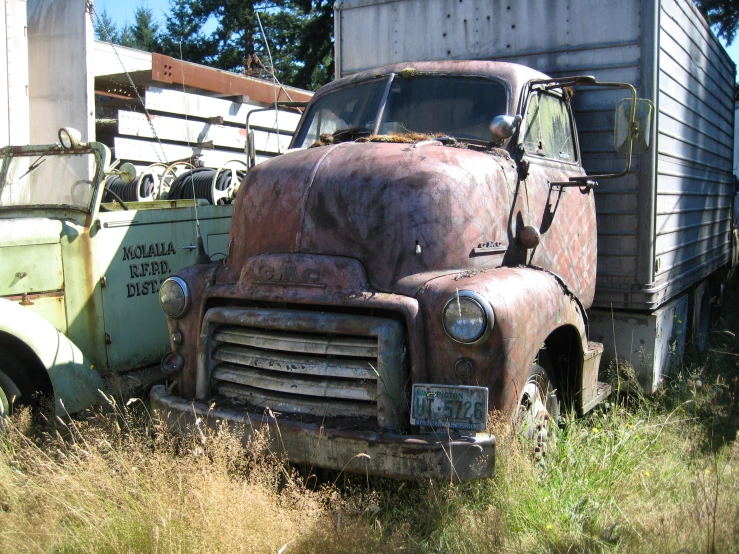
(325, 365)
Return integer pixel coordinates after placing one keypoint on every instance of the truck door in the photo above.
(138, 250)
(563, 216)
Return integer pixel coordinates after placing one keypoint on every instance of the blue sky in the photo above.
(121, 11)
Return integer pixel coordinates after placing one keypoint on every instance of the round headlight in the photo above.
(174, 297)
(468, 317)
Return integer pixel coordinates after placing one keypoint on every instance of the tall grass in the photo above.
(639, 474)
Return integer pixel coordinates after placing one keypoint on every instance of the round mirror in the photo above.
(503, 126)
(69, 137)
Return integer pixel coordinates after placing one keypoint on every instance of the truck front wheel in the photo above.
(537, 413)
(14, 389)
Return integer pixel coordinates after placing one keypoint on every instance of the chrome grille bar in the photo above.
(306, 362)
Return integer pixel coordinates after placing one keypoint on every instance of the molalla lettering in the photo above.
(145, 269)
(148, 250)
(144, 288)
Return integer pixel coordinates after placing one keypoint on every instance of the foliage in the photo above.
(142, 34)
(639, 474)
(105, 28)
(723, 15)
(297, 36)
(183, 35)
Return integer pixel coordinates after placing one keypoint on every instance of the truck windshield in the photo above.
(457, 106)
(52, 177)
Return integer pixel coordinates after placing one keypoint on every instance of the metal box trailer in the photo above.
(665, 230)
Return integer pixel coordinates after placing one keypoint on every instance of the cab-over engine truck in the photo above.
(384, 289)
(401, 273)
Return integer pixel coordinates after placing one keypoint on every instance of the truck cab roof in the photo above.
(513, 75)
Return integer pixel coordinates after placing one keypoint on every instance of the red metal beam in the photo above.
(170, 70)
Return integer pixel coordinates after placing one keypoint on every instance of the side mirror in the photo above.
(504, 126)
(638, 131)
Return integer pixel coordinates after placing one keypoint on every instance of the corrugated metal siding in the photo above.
(602, 38)
(557, 38)
(695, 151)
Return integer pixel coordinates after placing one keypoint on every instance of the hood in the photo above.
(405, 211)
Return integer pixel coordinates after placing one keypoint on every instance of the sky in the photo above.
(121, 11)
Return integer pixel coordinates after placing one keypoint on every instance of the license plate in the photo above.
(456, 407)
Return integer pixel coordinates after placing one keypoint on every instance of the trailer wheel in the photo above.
(537, 413)
(14, 386)
(701, 316)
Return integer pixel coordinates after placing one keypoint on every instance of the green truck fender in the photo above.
(74, 380)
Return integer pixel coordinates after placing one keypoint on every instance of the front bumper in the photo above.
(381, 454)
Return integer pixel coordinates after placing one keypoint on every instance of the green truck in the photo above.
(79, 277)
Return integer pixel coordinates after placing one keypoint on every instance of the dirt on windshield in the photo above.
(362, 135)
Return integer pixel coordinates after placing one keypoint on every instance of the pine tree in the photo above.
(143, 33)
(183, 35)
(297, 34)
(105, 29)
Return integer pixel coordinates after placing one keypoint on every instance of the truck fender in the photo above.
(73, 378)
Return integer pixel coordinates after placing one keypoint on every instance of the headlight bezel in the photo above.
(486, 310)
(185, 292)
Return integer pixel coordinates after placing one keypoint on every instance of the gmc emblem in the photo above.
(288, 275)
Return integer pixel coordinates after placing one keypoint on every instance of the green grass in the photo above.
(639, 474)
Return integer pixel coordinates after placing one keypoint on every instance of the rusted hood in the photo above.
(405, 211)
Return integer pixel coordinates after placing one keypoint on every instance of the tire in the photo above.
(537, 413)
(15, 388)
(700, 317)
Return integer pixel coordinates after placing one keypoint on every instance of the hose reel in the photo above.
(178, 181)
(141, 188)
(217, 186)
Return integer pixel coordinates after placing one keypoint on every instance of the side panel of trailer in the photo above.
(642, 244)
(694, 193)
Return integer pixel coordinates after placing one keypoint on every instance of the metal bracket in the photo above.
(585, 186)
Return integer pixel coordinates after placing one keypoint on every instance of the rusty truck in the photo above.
(434, 245)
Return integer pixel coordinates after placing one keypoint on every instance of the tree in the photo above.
(297, 36)
(105, 29)
(143, 33)
(183, 35)
(315, 46)
(722, 15)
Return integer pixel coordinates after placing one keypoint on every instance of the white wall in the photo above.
(14, 123)
(61, 81)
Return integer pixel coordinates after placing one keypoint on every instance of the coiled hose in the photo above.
(200, 179)
(128, 191)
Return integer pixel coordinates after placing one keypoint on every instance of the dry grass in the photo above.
(656, 474)
(120, 482)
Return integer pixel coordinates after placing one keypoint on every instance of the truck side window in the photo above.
(549, 131)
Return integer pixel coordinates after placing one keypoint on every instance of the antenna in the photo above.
(202, 256)
(274, 80)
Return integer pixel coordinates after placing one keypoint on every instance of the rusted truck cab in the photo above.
(398, 275)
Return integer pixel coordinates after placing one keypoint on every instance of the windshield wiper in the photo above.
(41, 159)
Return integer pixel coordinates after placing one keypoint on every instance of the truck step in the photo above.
(604, 391)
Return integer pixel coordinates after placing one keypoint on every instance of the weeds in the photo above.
(640, 474)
